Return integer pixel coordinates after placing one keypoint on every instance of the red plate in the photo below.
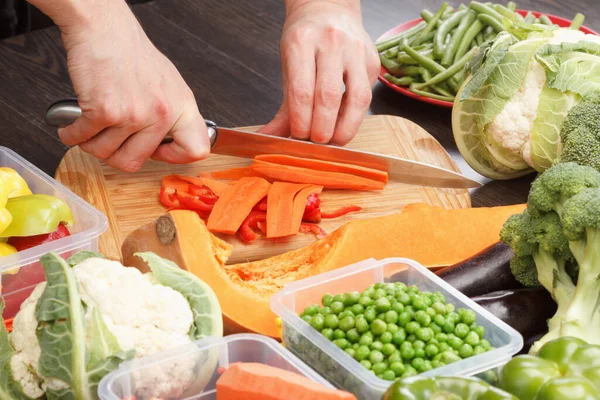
(562, 22)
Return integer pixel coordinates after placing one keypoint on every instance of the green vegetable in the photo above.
(36, 214)
(444, 388)
(556, 241)
(565, 368)
(9, 388)
(447, 26)
(580, 133)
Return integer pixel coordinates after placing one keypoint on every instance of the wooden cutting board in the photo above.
(131, 200)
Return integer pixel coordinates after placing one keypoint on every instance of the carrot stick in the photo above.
(231, 173)
(235, 205)
(217, 187)
(329, 180)
(280, 208)
(329, 166)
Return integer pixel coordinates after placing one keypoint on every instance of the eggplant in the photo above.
(526, 310)
(485, 272)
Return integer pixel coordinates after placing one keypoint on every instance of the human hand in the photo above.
(131, 95)
(323, 47)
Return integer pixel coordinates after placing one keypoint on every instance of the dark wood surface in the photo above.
(228, 52)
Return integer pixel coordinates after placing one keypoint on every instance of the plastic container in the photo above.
(205, 355)
(341, 369)
(89, 223)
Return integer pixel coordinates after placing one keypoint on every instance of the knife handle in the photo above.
(66, 111)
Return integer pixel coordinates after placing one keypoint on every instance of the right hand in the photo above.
(131, 95)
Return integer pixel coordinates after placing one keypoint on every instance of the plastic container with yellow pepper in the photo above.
(37, 215)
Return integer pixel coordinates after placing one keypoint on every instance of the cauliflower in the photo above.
(140, 315)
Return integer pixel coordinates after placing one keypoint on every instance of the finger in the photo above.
(136, 150)
(328, 96)
(81, 130)
(300, 71)
(107, 142)
(355, 105)
(190, 139)
(280, 125)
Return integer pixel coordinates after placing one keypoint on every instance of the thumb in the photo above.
(280, 125)
(190, 140)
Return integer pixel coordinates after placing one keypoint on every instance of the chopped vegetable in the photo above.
(340, 212)
(394, 332)
(306, 200)
(36, 214)
(6, 249)
(281, 213)
(27, 242)
(565, 368)
(254, 381)
(235, 205)
(445, 387)
(232, 173)
(11, 185)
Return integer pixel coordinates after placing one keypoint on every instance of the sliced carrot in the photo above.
(232, 208)
(329, 166)
(175, 182)
(280, 208)
(329, 180)
(231, 173)
(191, 179)
(300, 204)
(217, 187)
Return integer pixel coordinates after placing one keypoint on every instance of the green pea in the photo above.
(397, 368)
(369, 291)
(388, 375)
(461, 330)
(410, 310)
(338, 297)
(428, 301)
(346, 313)
(381, 316)
(378, 327)
(403, 298)
(419, 303)
(399, 337)
(431, 350)
(389, 287)
(422, 318)
(331, 321)
(311, 310)
(448, 326)
(365, 300)
(433, 341)
(392, 328)
(341, 343)
(479, 330)
(352, 335)
(411, 338)
(449, 357)
(379, 285)
(412, 327)
(396, 357)
(306, 318)
(386, 337)
(361, 324)
(351, 298)
(355, 346)
(466, 350)
(376, 357)
(410, 371)
(404, 318)
(441, 337)
(397, 307)
(362, 352)
(439, 308)
(444, 346)
(435, 328)
(391, 317)
(472, 339)
(485, 344)
(454, 317)
(449, 308)
(357, 309)
(350, 351)
(468, 317)
(417, 363)
(400, 285)
(478, 350)
(388, 349)
(367, 364)
(328, 333)
(370, 314)
(407, 351)
(380, 367)
(366, 339)
(437, 364)
(347, 323)
(376, 345)
(337, 307)
(424, 334)
(420, 353)
(379, 293)
(339, 334)
(382, 305)
(427, 366)
(431, 312)
(455, 342)
(412, 289)
(418, 344)
(327, 299)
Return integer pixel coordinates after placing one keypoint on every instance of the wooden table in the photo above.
(228, 52)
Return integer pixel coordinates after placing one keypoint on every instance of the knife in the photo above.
(233, 142)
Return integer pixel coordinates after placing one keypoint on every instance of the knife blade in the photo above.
(238, 143)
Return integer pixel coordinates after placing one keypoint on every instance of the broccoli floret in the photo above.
(551, 189)
(580, 134)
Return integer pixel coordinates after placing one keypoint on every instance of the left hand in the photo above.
(324, 47)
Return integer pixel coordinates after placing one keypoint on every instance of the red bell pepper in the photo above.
(194, 203)
(312, 228)
(338, 213)
(247, 233)
(313, 215)
(204, 194)
(168, 197)
(27, 242)
(313, 202)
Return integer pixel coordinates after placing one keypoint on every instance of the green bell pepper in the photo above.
(444, 388)
(11, 185)
(565, 368)
(36, 214)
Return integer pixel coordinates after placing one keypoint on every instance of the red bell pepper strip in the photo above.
(246, 230)
(193, 203)
(312, 228)
(262, 206)
(338, 213)
(168, 197)
(313, 202)
(27, 242)
(203, 193)
(313, 215)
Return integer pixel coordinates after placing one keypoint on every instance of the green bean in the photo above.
(508, 13)
(473, 43)
(491, 21)
(426, 15)
(545, 20)
(426, 39)
(422, 60)
(512, 6)
(404, 58)
(395, 40)
(442, 32)
(431, 25)
(470, 34)
(442, 90)
(450, 72)
(432, 95)
(391, 53)
(462, 7)
(577, 21)
(537, 21)
(391, 66)
(479, 39)
(485, 9)
(450, 50)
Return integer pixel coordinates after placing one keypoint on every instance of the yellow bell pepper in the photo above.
(36, 214)
(11, 185)
(6, 249)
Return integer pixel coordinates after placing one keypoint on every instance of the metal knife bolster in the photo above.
(66, 111)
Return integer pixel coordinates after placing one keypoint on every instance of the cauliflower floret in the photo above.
(592, 38)
(140, 313)
(566, 36)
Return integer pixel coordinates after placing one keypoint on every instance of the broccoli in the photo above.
(580, 134)
(556, 242)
